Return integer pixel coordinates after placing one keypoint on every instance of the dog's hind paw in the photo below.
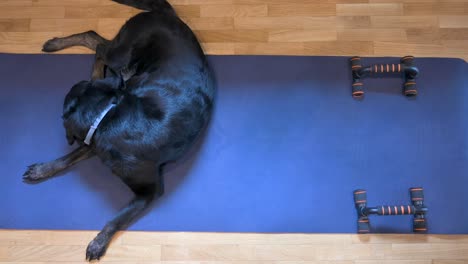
(96, 249)
(34, 173)
(52, 45)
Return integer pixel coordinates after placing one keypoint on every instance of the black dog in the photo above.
(150, 95)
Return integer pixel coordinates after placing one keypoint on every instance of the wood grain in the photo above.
(435, 28)
(26, 246)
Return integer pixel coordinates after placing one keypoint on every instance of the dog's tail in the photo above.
(148, 5)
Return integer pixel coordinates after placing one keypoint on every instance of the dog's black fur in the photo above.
(161, 83)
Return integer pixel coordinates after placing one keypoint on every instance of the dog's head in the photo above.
(83, 103)
(70, 113)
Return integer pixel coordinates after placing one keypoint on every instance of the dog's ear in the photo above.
(71, 100)
(69, 107)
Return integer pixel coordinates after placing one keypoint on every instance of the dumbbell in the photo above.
(417, 209)
(405, 68)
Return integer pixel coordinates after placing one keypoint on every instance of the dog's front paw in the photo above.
(35, 173)
(52, 45)
(96, 249)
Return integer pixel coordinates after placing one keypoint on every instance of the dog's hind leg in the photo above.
(98, 246)
(148, 5)
(145, 193)
(99, 65)
(42, 171)
(89, 39)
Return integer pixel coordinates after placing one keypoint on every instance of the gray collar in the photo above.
(96, 123)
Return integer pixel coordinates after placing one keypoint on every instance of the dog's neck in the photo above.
(96, 123)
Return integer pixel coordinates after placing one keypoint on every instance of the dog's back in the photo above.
(168, 96)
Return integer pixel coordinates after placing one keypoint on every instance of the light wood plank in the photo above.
(432, 251)
(423, 35)
(14, 25)
(449, 262)
(410, 238)
(119, 11)
(42, 246)
(301, 35)
(402, 49)
(301, 10)
(353, 22)
(453, 21)
(232, 35)
(32, 12)
(75, 3)
(404, 21)
(390, 9)
(211, 23)
(274, 23)
(15, 3)
(273, 252)
(344, 48)
(25, 38)
(269, 48)
(372, 35)
(453, 33)
(435, 8)
(68, 254)
(62, 25)
(219, 48)
(233, 10)
(158, 238)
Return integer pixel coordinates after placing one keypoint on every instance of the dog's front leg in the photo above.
(42, 171)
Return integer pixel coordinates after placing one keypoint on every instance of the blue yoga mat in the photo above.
(285, 149)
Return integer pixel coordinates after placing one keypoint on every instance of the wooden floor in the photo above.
(434, 28)
(313, 27)
(212, 248)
